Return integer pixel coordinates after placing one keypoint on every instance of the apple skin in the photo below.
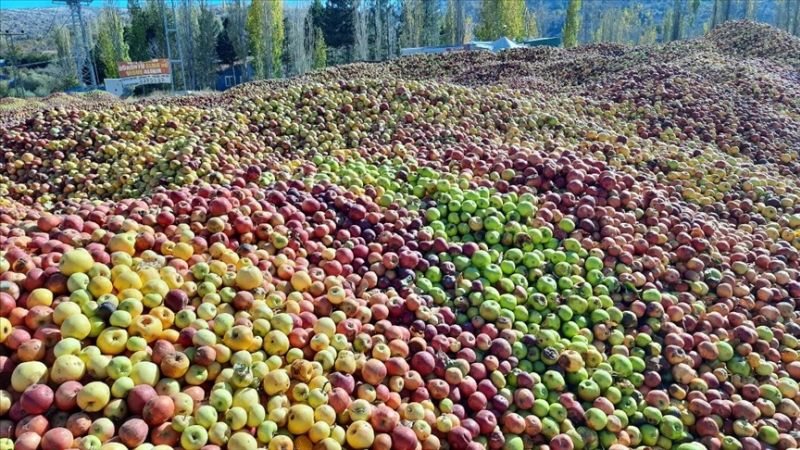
(27, 441)
(94, 396)
(57, 439)
(158, 410)
(103, 428)
(79, 423)
(165, 434)
(37, 399)
(139, 396)
(133, 432)
(194, 437)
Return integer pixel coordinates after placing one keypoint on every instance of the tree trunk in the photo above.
(727, 10)
(677, 9)
(459, 23)
(714, 13)
(573, 24)
(750, 10)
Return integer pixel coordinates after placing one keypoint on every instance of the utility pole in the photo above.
(171, 32)
(87, 73)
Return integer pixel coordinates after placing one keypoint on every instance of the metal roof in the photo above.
(500, 44)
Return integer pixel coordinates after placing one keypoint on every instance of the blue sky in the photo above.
(21, 4)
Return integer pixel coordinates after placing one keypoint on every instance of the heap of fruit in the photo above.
(415, 265)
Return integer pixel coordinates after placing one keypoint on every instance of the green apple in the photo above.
(300, 420)
(67, 367)
(78, 281)
(118, 367)
(196, 375)
(242, 357)
(220, 399)
(65, 310)
(242, 441)
(122, 386)
(136, 344)
(28, 373)
(94, 396)
(120, 318)
(102, 428)
(116, 409)
(194, 437)
(245, 397)
(266, 430)
(181, 422)
(222, 323)
(145, 372)
(67, 346)
(168, 386)
(256, 414)
(282, 322)
(205, 416)
(184, 318)
(236, 418)
(184, 404)
(97, 366)
(77, 326)
(204, 337)
(89, 442)
(219, 433)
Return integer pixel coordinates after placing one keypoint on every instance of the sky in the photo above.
(22, 4)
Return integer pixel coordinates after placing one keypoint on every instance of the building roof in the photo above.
(500, 44)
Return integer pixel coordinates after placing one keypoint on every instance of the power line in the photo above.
(86, 71)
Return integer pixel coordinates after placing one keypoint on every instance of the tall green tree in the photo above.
(488, 25)
(209, 29)
(265, 31)
(66, 59)
(317, 11)
(461, 23)
(338, 23)
(721, 12)
(500, 18)
(750, 9)
(448, 33)
(411, 35)
(531, 24)
(255, 35)
(512, 18)
(677, 19)
(136, 33)
(431, 20)
(111, 44)
(278, 35)
(225, 50)
(320, 56)
(572, 24)
(145, 35)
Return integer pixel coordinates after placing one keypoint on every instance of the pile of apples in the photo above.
(403, 264)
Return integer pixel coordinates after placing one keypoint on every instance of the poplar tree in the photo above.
(111, 44)
(572, 24)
